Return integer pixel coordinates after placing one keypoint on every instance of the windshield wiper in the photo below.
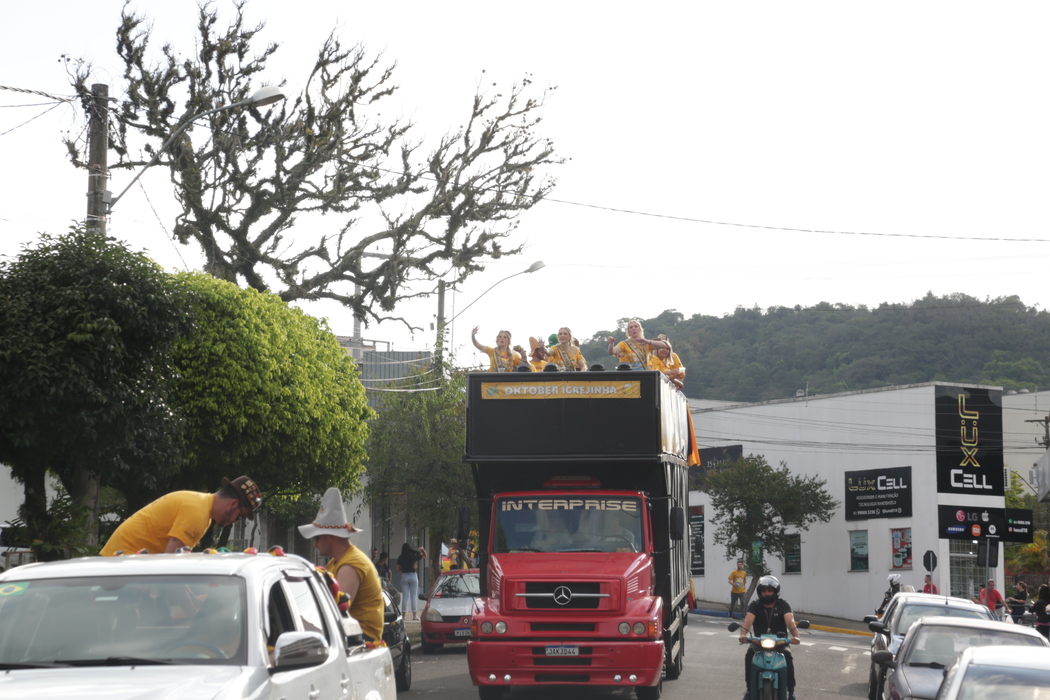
(34, 664)
(119, 661)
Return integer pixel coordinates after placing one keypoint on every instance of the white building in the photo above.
(930, 455)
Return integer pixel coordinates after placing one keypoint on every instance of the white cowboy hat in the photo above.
(330, 519)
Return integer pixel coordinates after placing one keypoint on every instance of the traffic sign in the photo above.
(929, 560)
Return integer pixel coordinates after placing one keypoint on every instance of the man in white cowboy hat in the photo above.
(353, 570)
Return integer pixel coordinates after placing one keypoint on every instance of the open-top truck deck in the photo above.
(582, 486)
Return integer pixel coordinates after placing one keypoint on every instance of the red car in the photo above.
(447, 615)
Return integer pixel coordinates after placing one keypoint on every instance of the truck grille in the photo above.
(575, 595)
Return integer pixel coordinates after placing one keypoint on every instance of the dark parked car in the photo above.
(398, 642)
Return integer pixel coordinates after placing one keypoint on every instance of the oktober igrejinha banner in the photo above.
(561, 390)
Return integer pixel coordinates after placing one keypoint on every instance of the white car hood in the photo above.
(131, 682)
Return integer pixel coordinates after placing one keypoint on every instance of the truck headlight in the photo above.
(501, 627)
(639, 628)
(486, 627)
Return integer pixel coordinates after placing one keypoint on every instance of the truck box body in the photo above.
(582, 484)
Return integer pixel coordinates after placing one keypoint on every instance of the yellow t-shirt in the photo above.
(367, 606)
(182, 514)
(538, 365)
(738, 578)
(672, 368)
(628, 355)
(500, 360)
(571, 362)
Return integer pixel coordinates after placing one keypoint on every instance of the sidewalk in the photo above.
(825, 623)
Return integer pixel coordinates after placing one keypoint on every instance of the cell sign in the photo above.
(878, 493)
(969, 439)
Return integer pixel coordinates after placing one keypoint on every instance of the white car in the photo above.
(182, 626)
(998, 673)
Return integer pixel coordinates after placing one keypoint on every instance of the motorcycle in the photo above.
(768, 666)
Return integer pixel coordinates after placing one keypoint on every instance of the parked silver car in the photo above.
(998, 673)
(182, 626)
(904, 609)
(933, 644)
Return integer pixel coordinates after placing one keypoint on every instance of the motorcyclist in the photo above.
(895, 587)
(768, 614)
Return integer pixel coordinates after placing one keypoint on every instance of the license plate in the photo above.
(563, 650)
(462, 633)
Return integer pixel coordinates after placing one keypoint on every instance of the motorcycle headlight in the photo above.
(769, 643)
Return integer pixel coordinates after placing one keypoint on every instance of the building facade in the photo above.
(915, 469)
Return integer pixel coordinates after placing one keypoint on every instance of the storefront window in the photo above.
(858, 550)
(793, 558)
(900, 548)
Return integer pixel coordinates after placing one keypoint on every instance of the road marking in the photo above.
(838, 649)
(707, 634)
(808, 644)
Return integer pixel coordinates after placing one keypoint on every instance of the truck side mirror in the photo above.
(677, 523)
(463, 524)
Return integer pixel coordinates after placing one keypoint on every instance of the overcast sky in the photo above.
(723, 154)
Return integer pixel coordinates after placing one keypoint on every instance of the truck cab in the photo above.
(582, 483)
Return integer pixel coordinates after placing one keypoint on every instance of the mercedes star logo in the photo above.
(562, 595)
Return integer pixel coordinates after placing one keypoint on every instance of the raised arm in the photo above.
(474, 339)
(613, 347)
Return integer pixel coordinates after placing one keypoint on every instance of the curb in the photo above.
(841, 630)
(822, 628)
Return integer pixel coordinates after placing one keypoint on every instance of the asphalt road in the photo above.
(828, 665)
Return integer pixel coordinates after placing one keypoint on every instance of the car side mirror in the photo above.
(389, 616)
(884, 658)
(299, 649)
(870, 618)
(802, 624)
(878, 627)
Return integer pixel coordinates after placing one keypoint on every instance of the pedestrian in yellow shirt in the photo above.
(738, 590)
(352, 568)
(181, 518)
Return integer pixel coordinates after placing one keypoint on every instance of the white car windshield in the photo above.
(568, 523)
(122, 620)
(911, 613)
(937, 647)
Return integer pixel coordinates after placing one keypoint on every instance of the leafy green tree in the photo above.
(330, 150)
(753, 502)
(86, 327)
(265, 390)
(416, 449)
(1032, 557)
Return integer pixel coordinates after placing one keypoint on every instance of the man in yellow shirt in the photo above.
(353, 570)
(180, 519)
(738, 590)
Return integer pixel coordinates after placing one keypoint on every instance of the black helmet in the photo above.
(768, 583)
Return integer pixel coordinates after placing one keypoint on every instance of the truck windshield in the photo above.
(568, 523)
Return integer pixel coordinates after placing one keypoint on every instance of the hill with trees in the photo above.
(759, 354)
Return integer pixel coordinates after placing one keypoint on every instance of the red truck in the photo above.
(582, 486)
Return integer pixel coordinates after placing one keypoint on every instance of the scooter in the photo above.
(768, 666)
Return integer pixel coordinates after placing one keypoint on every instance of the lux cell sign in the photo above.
(878, 493)
(969, 440)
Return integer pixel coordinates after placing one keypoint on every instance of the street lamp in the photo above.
(263, 96)
(538, 265)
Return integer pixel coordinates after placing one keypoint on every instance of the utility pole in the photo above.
(98, 153)
(97, 204)
(440, 341)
